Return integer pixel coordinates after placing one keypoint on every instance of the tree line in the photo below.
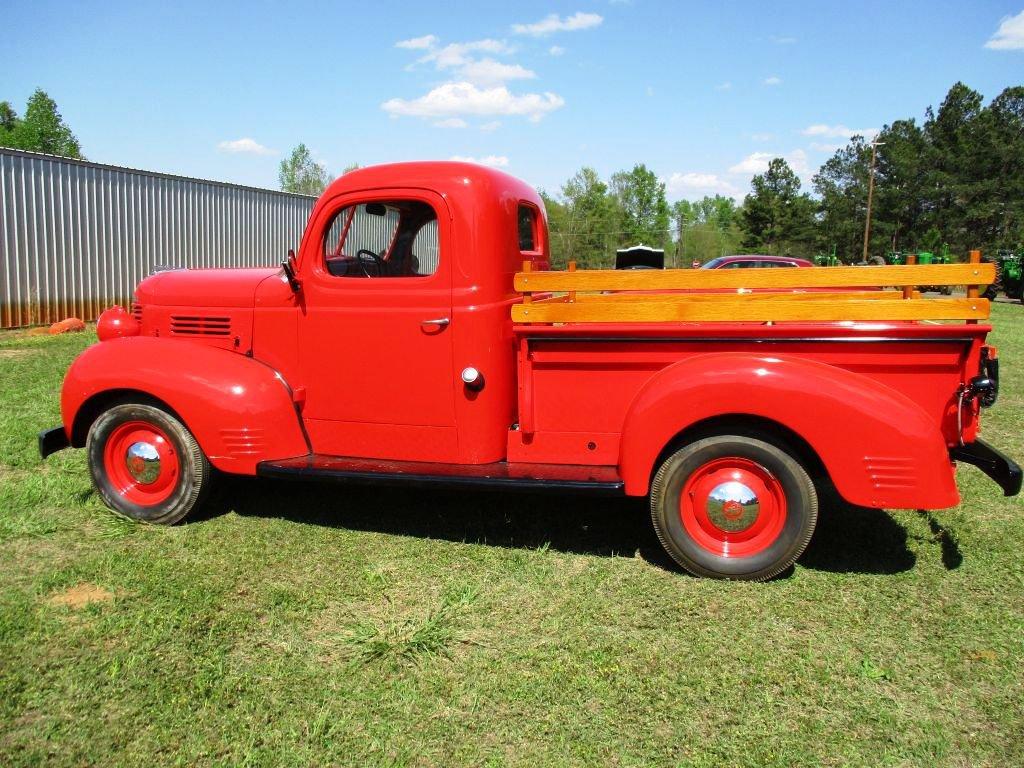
(956, 178)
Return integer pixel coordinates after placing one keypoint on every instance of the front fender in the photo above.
(240, 411)
(878, 446)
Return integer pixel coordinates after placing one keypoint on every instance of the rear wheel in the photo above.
(146, 465)
(733, 507)
(993, 290)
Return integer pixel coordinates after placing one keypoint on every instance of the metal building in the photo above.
(76, 237)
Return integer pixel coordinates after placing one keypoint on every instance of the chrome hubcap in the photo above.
(733, 507)
(143, 462)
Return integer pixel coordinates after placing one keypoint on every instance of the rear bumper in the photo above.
(52, 440)
(999, 467)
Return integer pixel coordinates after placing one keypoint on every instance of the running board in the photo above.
(501, 475)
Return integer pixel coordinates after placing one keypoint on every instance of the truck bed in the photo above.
(609, 361)
(578, 381)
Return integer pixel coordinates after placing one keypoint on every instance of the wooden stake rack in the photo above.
(817, 294)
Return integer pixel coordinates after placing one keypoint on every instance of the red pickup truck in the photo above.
(411, 340)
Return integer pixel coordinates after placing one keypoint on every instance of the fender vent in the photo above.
(890, 471)
(243, 442)
(200, 325)
(137, 311)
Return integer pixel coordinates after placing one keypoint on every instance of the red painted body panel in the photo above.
(391, 390)
(876, 403)
(202, 287)
(880, 447)
(239, 410)
(345, 367)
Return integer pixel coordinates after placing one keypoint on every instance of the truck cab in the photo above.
(397, 345)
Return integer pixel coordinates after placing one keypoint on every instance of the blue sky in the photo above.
(703, 93)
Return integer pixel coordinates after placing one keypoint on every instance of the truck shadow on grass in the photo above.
(847, 539)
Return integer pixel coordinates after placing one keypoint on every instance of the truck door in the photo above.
(375, 336)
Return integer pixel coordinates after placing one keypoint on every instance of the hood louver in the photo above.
(200, 325)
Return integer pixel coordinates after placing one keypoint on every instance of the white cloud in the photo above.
(457, 54)
(773, 80)
(762, 137)
(723, 86)
(650, 90)
(451, 122)
(757, 162)
(474, 85)
(245, 146)
(494, 161)
(556, 50)
(463, 98)
(1010, 35)
(491, 72)
(838, 131)
(418, 43)
(696, 185)
(493, 125)
(783, 39)
(554, 23)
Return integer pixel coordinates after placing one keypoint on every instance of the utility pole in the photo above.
(871, 190)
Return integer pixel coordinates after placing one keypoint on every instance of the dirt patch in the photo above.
(14, 354)
(12, 473)
(81, 595)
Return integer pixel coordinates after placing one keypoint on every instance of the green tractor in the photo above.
(1009, 266)
(923, 257)
(827, 259)
(942, 257)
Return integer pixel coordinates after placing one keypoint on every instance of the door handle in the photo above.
(440, 322)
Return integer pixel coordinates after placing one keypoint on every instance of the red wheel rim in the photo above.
(141, 463)
(733, 507)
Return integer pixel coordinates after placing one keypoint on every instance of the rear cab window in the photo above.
(530, 235)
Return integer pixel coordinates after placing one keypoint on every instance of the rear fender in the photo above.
(878, 446)
(239, 410)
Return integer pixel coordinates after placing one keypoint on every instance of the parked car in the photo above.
(753, 261)
(385, 351)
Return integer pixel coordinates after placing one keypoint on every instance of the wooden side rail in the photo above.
(743, 309)
(824, 294)
(813, 277)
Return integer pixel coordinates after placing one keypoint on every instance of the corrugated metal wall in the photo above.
(76, 237)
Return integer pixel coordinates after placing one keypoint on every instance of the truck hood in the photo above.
(203, 287)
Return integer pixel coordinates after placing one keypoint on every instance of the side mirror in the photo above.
(288, 265)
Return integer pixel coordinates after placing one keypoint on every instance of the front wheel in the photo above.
(146, 465)
(733, 507)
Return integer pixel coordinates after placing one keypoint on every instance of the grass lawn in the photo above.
(304, 625)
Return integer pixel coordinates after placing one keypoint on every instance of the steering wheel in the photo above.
(377, 260)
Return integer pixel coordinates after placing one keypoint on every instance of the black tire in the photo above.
(787, 476)
(186, 490)
(993, 290)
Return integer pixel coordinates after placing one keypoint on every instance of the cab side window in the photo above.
(392, 238)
